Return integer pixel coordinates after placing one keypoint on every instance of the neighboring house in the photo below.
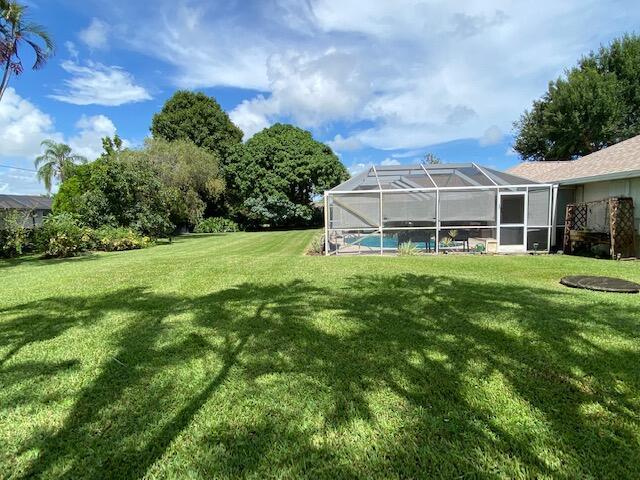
(33, 207)
(610, 172)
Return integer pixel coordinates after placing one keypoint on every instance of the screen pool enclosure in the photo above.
(438, 208)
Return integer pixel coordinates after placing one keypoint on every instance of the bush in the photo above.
(408, 249)
(216, 225)
(111, 239)
(119, 190)
(14, 237)
(62, 235)
(316, 247)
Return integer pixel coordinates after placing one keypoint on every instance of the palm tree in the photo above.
(56, 162)
(15, 31)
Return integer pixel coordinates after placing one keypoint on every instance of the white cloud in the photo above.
(96, 34)
(492, 136)
(311, 89)
(72, 49)
(339, 143)
(408, 154)
(389, 161)
(359, 167)
(91, 130)
(98, 84)
(404, 74)
(511, 152)
(22, 126)
(206, 47)
(252, 116)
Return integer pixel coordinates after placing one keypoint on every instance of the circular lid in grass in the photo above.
(601, 284)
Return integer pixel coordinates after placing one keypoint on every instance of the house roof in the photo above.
(25, 202)
(619, 160)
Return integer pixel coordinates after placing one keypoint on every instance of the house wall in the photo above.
(29, 218)
(615, 188)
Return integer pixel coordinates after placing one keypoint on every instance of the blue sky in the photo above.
(381, 82)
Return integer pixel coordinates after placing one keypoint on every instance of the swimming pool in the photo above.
(391, 242)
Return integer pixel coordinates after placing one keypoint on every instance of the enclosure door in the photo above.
(511, 222)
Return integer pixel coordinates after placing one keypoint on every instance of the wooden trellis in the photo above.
(616, 226)
(623, 234)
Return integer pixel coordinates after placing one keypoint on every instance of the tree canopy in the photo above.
(152, 189)
(16, 32)
(118, 191)
(197, 117)
(191, 173)
(276, 175)
(594, 105)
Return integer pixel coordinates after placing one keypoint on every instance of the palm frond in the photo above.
(41, 55)
(45, 174)
(34, 29)
(12, 11)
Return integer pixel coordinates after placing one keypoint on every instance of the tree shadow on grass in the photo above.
(401, 375)
(37, 260)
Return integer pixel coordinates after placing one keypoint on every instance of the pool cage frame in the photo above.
(460, 178)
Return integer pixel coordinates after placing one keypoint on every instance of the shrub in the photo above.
(111, 239)
(316, 247)
(407, 249)
(216, 225)
(122, 189)
(14, 237)
(62, 235)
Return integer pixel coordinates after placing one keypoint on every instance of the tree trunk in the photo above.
(5, 80)
(7, 69)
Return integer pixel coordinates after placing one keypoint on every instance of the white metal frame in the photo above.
(517, 247)
(501, 190)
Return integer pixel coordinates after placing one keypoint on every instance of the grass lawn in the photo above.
(234, 355)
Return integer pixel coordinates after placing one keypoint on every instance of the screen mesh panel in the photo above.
(512, 209)
(539, 236)
(538, 207)
(409, 209)
(472, 207)
(511, 235)
(354, 210)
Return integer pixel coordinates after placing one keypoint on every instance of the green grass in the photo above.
(234, 355)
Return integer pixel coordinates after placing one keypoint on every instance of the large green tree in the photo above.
(276, 175)
(190, 172)
(197, 117)
(57, 162)
(594, 105)
(16, 32)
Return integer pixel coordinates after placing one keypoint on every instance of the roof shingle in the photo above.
(25, 202)
(618, 158)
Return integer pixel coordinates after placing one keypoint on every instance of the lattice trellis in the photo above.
(623, 235)
(614, 217)
(575, 219)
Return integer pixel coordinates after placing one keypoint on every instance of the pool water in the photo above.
(373, 241)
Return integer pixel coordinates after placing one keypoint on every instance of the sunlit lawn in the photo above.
(234, 355)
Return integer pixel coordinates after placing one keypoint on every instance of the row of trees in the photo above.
(195, 165)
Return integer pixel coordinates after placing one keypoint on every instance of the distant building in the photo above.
(33, 207)
(610, 172)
